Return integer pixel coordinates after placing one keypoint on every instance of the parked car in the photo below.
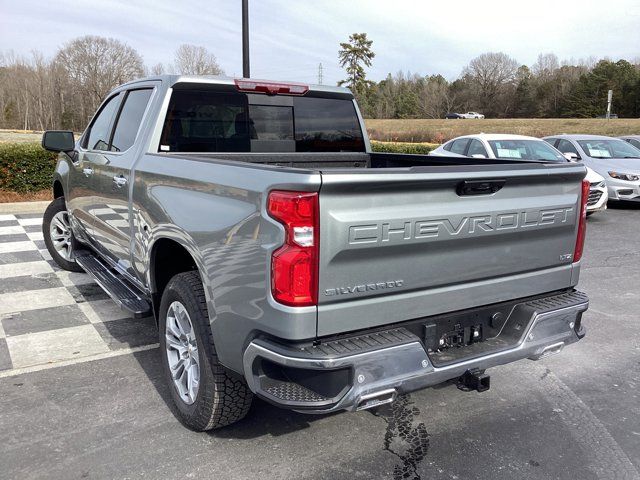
(281, 257)
(632, 139)
(452, 115)
(616, 160)
(510, 147)
(471, 115)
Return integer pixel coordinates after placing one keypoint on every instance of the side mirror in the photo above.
(58, 141)
(572, 157)
(478, 155)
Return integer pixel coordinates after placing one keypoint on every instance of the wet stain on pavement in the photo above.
(405, 437)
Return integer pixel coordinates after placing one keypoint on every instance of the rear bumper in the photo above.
(375, 367)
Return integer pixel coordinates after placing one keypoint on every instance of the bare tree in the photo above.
(95, 65)
(194, 60)
(492, 74)
(546, 65)
(157, 69)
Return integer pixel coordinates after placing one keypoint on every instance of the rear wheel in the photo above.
(205, 395)
(57, 234)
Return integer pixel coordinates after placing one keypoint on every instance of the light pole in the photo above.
(245, 39)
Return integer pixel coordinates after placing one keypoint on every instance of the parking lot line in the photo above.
(28, 300)
(55, 345)
(11, 230)
(24, 269)
(12, 247)
(30, 221)
(75, 361)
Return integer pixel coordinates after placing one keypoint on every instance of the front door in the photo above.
(112, 181)
(80, 197)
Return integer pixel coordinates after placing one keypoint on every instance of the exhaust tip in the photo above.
(372, 400)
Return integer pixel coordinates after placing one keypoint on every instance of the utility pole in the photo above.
(245, 39)
(609, 98)
(320, 74)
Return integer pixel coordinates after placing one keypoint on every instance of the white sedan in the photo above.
(520, 147)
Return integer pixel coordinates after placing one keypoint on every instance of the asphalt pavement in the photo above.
(571, 416)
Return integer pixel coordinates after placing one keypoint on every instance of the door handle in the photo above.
(119, 181)
(87, 171)
(479, 187)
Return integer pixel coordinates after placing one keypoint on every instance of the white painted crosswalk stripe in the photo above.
(11, 247)
(22, 269)
(62, 320)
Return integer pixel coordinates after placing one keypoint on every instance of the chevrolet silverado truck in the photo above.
(282, 258)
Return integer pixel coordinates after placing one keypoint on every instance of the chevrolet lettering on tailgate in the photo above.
(384, 232)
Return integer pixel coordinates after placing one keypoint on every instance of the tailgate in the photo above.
(403, 244)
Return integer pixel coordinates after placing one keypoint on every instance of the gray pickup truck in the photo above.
(282, 258)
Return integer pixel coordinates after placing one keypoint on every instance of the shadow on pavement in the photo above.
(624, 205)
(262, 419)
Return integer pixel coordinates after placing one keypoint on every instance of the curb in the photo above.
(24, 207)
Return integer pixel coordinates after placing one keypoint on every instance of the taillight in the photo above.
(582, 221)
(271, 88)
(294, 266)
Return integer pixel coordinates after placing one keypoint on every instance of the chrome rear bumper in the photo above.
(378, 366)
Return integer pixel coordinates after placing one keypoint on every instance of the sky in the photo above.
(289, 39)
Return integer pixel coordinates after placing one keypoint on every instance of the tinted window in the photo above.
(551, 141)
(565, 146)
(206, 121)
(100, 130)
(129, 120)
(609, 149)
(326, 125)
(476, 148)
(459, 146)
(634, 142)
(447, 146)
(525, 150)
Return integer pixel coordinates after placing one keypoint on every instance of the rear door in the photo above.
(399, 245)
(112, 175)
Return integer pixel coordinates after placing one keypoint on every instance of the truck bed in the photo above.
(321, 161)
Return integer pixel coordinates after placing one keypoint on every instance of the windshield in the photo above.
(212, 121)
(609, 149)
(525, 150)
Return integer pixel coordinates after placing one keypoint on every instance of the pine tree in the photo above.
(354, 55)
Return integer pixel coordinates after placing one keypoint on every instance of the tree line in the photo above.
(496, 85)
(64, 92)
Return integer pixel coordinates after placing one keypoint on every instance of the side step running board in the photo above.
(118, 289)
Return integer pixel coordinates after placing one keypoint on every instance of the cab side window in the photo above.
(565, 146)
(100, 129)
(128, 122)
(459, 146)
(476, 148)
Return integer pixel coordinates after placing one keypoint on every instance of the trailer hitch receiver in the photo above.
(474, 380)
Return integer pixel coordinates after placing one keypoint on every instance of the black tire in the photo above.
(55, 207)
(221, 399)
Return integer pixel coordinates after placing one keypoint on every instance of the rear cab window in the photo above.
(201, 119)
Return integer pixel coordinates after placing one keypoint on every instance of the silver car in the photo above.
(632, 139)
(616, 160)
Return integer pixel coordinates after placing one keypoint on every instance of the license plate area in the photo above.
(456, 337)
